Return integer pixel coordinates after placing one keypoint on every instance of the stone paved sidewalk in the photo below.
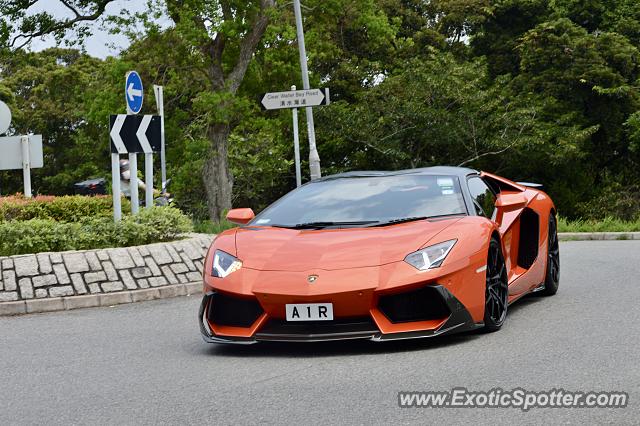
(75, 273)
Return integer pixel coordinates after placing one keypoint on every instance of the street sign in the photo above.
(133, 92)
(11, 152)
(295, 99)
(22, 152)
(134, 133)
(5, 117)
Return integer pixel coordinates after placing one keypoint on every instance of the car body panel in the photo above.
(279, 249)
(355, 267)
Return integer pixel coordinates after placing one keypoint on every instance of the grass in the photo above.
(209, 227)
(605, 225)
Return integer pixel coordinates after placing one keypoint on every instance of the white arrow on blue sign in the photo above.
(133, 92)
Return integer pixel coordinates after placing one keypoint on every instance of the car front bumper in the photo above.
(278, 330)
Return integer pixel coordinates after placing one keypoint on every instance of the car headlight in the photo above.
(430, 257)
(224, 264)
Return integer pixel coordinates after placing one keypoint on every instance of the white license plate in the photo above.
(309, 312)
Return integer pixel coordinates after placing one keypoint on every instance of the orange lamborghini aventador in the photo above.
(380, 256)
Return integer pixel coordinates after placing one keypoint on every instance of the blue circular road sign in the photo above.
(133, 92)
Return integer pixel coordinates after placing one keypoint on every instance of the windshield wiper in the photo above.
(318, 225)
(413, 219)
(401, 220)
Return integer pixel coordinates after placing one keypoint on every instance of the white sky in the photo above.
(99, 44)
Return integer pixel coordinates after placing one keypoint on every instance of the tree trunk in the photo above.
(216, 176)
(218, 182)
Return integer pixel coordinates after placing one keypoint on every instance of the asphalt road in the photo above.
(146, 364)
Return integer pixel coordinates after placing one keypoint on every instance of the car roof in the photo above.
(436, 170)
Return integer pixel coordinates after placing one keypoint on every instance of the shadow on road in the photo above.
(528, 300)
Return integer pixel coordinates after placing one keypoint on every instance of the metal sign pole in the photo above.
(133, 162)
(314, 158)
(115, 186)
(133, 182)
(296, 144)
(148, 171)
(134, 96)
(158, 90)
(26, 166)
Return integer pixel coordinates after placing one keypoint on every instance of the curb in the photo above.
(598, 236)
(32, 306)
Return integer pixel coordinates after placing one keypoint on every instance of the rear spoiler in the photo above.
(501, 183)
(530, 184)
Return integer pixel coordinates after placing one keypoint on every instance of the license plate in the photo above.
(309, 312)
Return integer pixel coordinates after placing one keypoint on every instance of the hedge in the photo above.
(70, 208)
(41, 235)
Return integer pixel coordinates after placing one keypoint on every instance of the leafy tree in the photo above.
(50, 92)
(18, 27)
(590, 76)
(535, 90)
(225, 36)
(498, 35)
(436, 111)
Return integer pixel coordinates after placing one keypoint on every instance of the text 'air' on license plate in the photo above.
(309, 312)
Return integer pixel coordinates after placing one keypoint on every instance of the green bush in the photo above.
(613, 201)
(40, 235)
(208, 227)
(608, 224)
(70, 208)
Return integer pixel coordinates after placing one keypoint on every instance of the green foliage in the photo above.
(584, 74)
(19, 23)
(61, 209)
(607, 224)
(534, 90)
(41, 235)
(209, 227)
(53, 96)
(452, 118)
(614, 200)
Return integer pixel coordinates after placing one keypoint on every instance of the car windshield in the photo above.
(367, 200)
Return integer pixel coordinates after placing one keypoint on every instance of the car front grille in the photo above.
(418, 305)
(233, 311)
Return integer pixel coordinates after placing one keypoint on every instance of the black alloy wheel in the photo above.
(552, 279)
(497, 291)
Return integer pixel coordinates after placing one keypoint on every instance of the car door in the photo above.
(483, 198)
(502, 208)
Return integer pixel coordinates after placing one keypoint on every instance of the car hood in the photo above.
(281, 249)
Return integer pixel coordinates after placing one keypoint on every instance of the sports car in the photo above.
(380, 256)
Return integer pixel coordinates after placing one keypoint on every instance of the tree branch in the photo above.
(71, 8)
(248, 45)
(511, 145)
(60, 25)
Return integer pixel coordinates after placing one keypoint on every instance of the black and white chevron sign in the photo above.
(134, 133)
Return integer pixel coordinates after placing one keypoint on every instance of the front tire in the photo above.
(497, 289)
(552, 277)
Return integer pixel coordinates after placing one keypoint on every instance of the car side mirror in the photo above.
(511, 200)
(240, 216)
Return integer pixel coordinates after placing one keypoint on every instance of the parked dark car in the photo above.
(91, 187)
